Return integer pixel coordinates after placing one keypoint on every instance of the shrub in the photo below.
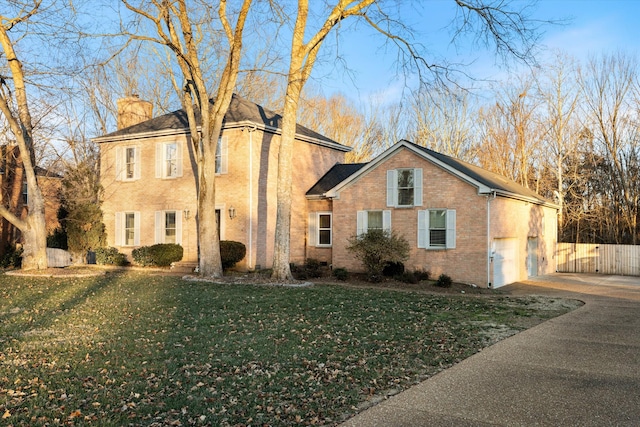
(422, 275)
(312, 267)
(110, 256)
(12, 257)
(341, 274)
(142, 256)
(231, 253)
(407, 277)
(376, 248)
(161, 255)
(393, 269)
(57, 239)
(444, 281)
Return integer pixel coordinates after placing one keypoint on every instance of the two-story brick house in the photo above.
(147, 171)
(461, 220)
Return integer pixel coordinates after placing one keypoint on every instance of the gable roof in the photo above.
(241, 113)
(334, 176)
(487, 182)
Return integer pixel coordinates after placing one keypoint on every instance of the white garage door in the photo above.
(505, 262)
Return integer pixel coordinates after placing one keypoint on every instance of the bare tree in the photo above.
(443, 121)
(173, 22)
(513, 134)
(558, 88)
(15, 107)
(493, 21)
(338, 118)
(303, 58)
(611, 112)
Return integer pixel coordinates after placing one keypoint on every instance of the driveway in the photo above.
(579, 369)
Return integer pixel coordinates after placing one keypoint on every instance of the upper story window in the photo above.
(222, 155)
(437, 229)
(25, 193)
(404, 187)
(128, 163)
(168, 160)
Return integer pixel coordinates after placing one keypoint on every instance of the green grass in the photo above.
(138, 349)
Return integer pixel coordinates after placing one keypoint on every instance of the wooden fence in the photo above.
(602, 259)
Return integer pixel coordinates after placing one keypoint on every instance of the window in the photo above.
(222, 155)
(168, 160)
(130, 162)
(324, 229)
(437, 229)
(127, 232)
(373, 220)
(320, 229)
(25, 193)
(169, 227)
(404, 187)
(129, 229)
(127, 163)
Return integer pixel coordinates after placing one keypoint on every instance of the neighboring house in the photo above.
(149, 180)
(459, 219)
(13, 194)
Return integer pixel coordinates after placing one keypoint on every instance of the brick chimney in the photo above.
(132, 110)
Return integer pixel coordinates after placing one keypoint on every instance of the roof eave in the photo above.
(234, 125)
(521, 197)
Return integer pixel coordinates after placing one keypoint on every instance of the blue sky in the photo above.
(590, 27)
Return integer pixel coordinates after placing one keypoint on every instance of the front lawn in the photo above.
(140, 349)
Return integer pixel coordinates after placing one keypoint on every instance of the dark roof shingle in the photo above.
(338, 173)
(240, 110)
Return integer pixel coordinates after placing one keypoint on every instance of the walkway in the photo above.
(580, 369)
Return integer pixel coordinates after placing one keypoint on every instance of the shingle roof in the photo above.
(487, 182)
(489, 179)
(338, 173)
(240, 110)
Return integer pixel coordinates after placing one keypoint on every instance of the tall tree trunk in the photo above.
(33, 228)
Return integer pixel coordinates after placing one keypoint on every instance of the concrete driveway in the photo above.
(579, 369)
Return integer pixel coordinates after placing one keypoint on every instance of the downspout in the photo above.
(490, 197)
(251, 216)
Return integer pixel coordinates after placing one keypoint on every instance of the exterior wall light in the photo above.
(232, 212)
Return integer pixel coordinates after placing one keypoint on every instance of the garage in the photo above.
(505, 261)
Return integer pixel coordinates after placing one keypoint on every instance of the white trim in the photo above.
(185, 131)
(223, 144)
(318, 229)
(424, 235)
(482, 189)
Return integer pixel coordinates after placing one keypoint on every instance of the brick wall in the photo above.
(249, 187)
(468, 262)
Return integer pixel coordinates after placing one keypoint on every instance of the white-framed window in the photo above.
(168, 160)
(404, 187)
(25, 193)
(127, 230)
(437, 229)
(321, 229)
(128, 163)
(373, 220)
(168, 227)
(222, 155)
